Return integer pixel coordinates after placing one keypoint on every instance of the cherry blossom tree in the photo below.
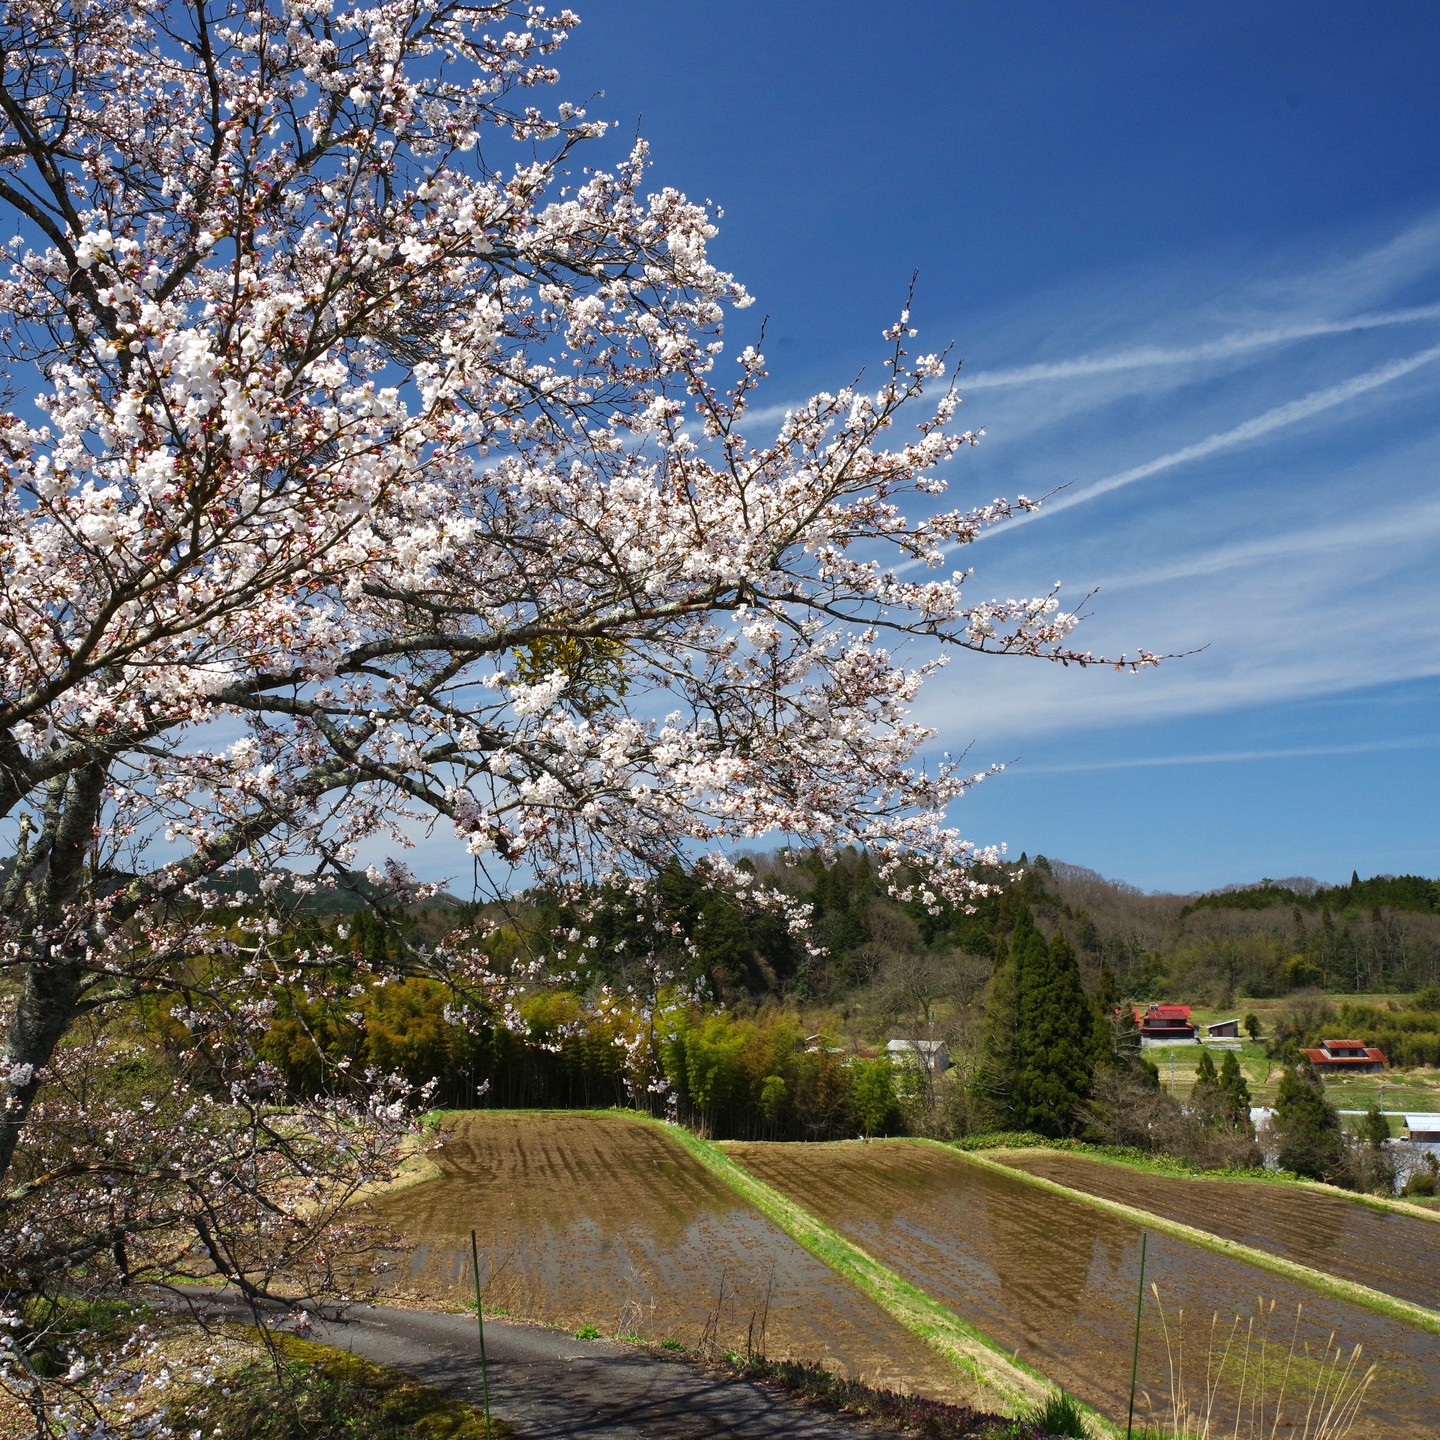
(370, 462)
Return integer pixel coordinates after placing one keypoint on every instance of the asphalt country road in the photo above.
(550, 1386)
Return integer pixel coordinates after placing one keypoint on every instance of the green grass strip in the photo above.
(1130, 1159)
(1388, 1305)
(1016, 1385)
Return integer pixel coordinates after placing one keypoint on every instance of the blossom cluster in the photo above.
(371, 468)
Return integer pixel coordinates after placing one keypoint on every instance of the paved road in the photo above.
(549, 1386)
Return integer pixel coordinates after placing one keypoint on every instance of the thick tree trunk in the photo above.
(52, 930)
(43, 1013)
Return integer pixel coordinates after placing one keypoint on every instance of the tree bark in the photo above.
(54, 934)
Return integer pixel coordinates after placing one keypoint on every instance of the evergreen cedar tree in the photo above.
(1307, 1130)
(1221, 1097)
(1374, 1128)
(1234, 1092)
(1039, 1049)
(372, 461)
(1205, 1092)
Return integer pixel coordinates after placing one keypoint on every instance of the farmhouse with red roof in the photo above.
(1169, 1023)
(1345, 1057)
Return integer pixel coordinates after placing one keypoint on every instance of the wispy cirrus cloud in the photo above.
(1181, 341)
(1280, 310)
(1228, 757)
(1295, 555)
(1384, 532)
(1278, 417)
(1228, 347)
(1374, 274)
(1281, 626)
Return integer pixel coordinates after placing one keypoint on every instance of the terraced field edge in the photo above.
(1319, 1280)
(1173, 1169)
(1015, 1385)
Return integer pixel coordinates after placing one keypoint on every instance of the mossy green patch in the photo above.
(1128, 1155)
(305, 1391)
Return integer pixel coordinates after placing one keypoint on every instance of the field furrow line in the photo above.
(1015, 1384)
(1390, 1306)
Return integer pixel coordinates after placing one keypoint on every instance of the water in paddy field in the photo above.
(595, 1220)
(1054, 1280)
(1395, 1253)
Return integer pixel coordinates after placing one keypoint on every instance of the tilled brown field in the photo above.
(596, 1220)
(1399, 1254)
(1054, 1280)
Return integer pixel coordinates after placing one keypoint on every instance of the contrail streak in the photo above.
(1291, 413)
(1146, 762)
(1148, 357)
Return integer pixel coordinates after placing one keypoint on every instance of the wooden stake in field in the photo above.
(1135, 1353)
(480, 1322)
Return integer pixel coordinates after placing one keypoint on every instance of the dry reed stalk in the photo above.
(1335, 1394)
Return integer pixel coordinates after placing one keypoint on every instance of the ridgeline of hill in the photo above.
(1263, 940)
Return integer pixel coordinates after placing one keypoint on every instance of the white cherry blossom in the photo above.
(368, 465)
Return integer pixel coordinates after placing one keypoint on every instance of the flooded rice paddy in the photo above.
(1396, 1253)
(594, 1220)
(1054, 1280)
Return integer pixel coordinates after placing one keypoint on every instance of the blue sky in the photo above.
(1190, 256)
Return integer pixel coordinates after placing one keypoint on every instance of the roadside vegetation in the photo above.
(912, 1414)
(294, 1389)
(1252, 1383)
(228, 1382)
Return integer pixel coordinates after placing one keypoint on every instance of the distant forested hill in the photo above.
(1380, 934)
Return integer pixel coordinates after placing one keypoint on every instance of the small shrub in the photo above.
(587, 1332)
(672, 1345)
(54, 1330)
(1003, 1140)
(1422, 1182)
(1060, 1414)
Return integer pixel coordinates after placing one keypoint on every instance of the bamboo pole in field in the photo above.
(480, 1322)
